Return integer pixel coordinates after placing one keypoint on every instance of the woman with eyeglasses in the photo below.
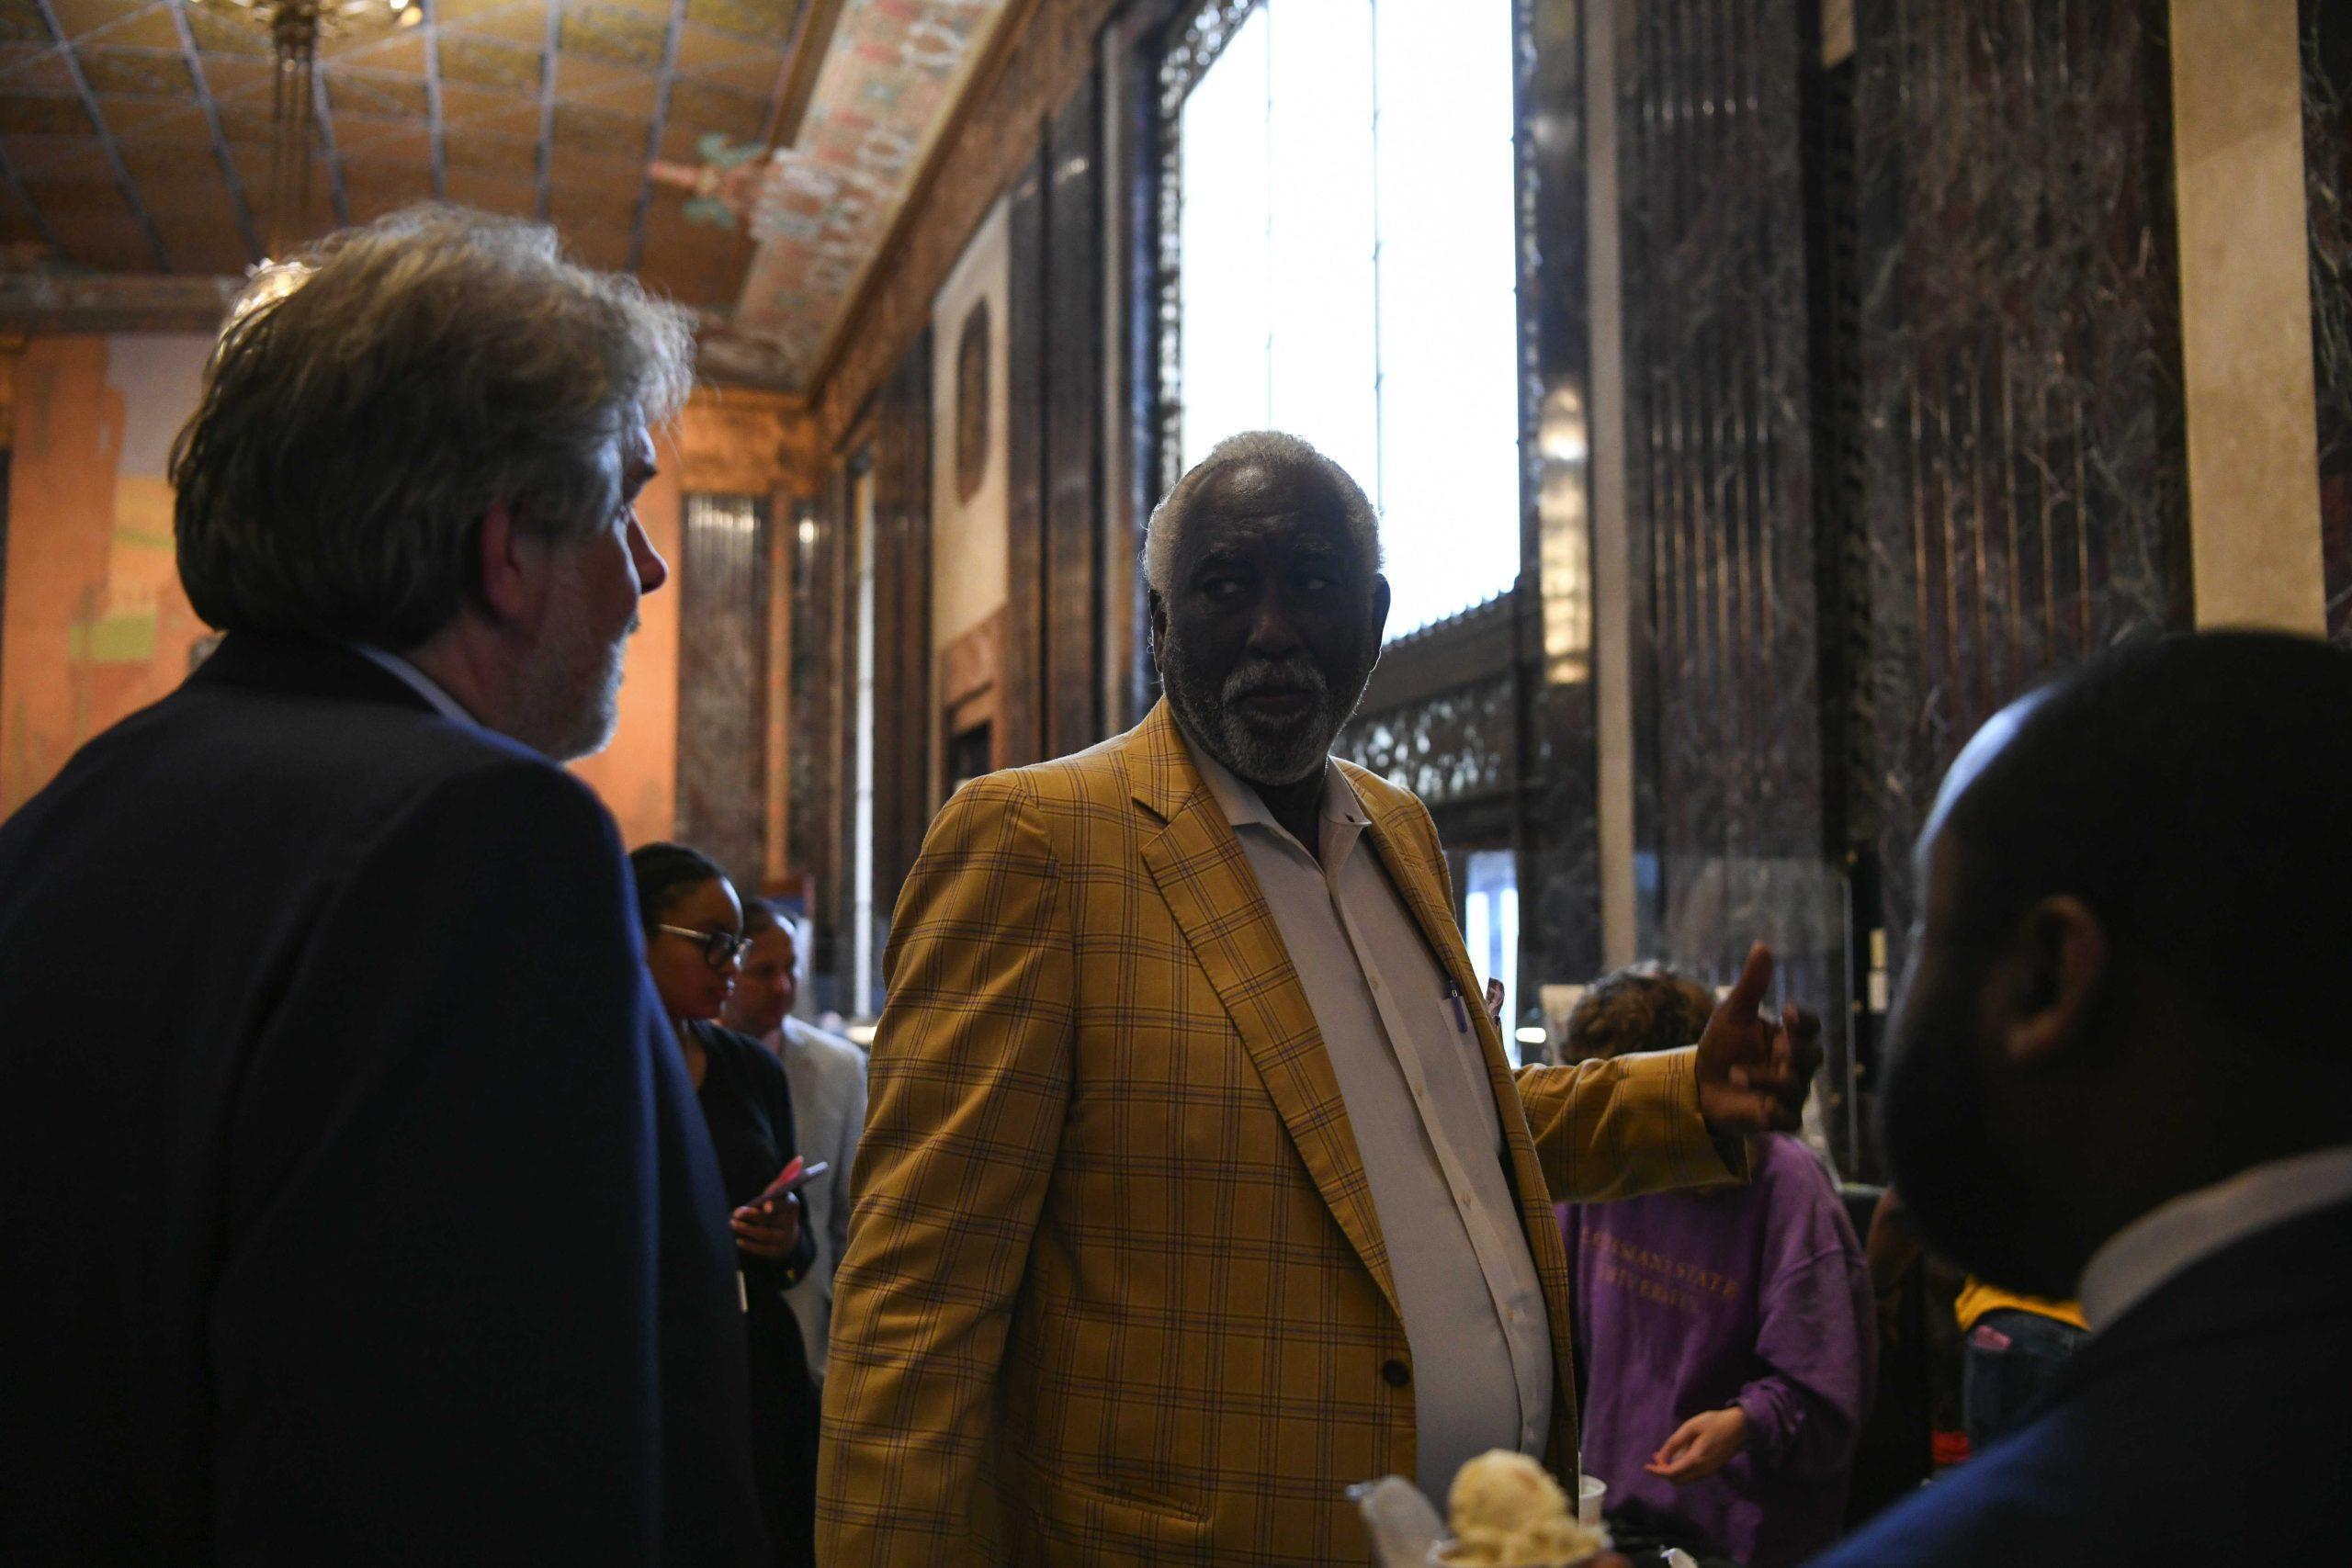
(693, 941)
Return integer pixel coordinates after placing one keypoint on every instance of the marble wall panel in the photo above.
(904, 718)
(1558, 742)
(722, 681)
(1729, 818)
(2327, 34)
(2024, 475)
(817, 752)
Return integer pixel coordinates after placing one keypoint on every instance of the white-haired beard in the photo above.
(1215, 722)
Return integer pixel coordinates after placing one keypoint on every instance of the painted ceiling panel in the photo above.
(379, 186)
(514, 127)
(477, 14)
(481, 100)
(40, 132)
(225, 74)
(178, 161)
(585, 129)
(378, 48)
(149, 118)
(383, 95)
(135, 73)
(150, 29)
(609, 88)
(20, 22)
(492, 192)
(709, 107)
(219, 33)
(469, 107)
(109, 242)
(487, 61)
(482, 155)
(48, 73)
(78, 17)
(391, 142)
(203, 241)
(769, 19)
(34, 153)
(63, 199)
(616, 33)
(754, 73)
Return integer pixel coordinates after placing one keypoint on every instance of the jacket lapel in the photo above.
(1211, 890)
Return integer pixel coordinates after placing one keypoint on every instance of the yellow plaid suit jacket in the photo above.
(1115, 1291)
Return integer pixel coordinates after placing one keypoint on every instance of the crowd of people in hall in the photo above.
(419, 1178)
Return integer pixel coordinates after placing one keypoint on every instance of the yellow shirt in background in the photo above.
(1977, 1298)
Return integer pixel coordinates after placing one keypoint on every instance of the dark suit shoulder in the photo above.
(2224, 1386)
(215, 752)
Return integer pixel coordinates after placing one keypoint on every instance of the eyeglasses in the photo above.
(719, 949)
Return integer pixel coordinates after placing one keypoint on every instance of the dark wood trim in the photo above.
(797, 85)
(1024, 601)
(1073, 432)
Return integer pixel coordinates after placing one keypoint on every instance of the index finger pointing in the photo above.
(1747, 996)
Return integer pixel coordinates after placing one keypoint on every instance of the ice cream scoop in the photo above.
(1507, 1512)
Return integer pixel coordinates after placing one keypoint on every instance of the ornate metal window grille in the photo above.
(1441, 716)
(1194, 40)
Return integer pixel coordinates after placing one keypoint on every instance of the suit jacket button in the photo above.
(1397, 1373)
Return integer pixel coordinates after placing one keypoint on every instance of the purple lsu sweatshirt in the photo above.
(1753, 1295)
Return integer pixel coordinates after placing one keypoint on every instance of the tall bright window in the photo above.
(1347, 270)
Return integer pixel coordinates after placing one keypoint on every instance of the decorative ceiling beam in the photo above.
(654, 134)
(115, 302)
(433, 99)
(796, 84)
(546, 197)
(106, 142)
(246, 227)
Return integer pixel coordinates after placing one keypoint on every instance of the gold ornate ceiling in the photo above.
(135, 142)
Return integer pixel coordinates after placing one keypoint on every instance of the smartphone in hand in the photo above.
(791, 1179)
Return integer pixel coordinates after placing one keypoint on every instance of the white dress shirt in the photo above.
(416, 681)
(2139, 1259)
(828, 1078)
(1413, 1075)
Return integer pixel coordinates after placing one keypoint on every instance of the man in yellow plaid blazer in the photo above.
(1118, 1290)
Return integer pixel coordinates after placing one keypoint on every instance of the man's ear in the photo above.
(2050, 981)
(1156, 612)
(511, 567)
(1379, 611)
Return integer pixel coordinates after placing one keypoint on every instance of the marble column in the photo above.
(2246, 315)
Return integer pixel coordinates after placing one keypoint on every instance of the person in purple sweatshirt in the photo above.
(1727, 1338)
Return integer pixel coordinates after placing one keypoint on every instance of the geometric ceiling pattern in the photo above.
(135, 134)
(742, 156)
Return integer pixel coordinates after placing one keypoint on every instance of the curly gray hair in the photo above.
(1272, 448)
(371, 400)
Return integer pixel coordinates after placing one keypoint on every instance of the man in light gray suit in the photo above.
(828, 1078)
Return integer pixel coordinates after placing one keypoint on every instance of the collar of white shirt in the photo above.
(2158, 1245)
(416, 681)
(1243, 807)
